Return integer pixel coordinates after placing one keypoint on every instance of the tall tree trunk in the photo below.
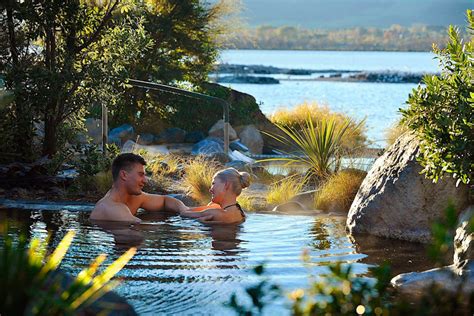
(50, 137)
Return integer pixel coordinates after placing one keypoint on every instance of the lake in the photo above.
(379, 103)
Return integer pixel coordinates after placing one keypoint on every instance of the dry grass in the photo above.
(395, 131)
(165, 165)
(198, 178)
(338, 192)
(246, 202)
(283, 190)
(103, 181)
(354, 139)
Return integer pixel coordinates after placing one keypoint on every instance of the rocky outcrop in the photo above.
(251, 137)
(395, 201)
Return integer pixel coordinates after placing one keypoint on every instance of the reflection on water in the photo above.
(185, 267)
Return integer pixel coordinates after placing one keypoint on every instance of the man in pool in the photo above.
(123, 200)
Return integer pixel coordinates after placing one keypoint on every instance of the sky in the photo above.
(332, 14)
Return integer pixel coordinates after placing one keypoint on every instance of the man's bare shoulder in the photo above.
(108, 210)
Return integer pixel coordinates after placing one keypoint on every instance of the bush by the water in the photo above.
(338, 192)
(283, 190)
(441, 112)
(393, 132)
(354, 139)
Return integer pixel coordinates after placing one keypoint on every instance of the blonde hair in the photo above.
(238, 180)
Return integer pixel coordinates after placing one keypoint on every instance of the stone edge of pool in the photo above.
(47, 205)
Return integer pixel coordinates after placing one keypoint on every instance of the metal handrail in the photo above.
(161, 87)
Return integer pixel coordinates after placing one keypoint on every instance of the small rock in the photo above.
(208, 146)
(236, 145)
(146, 139)
(194, 137)
(171, 136)
(289, 207)
(217, 130)
(123, 133)
(251, 137)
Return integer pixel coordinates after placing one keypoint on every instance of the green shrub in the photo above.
(442, 112)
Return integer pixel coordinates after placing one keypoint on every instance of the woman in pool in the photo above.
(226, 186)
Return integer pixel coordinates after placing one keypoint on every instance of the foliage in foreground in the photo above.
(31, 284)
(442, 112)
(318, 146)
(341, 293)
(338, 192)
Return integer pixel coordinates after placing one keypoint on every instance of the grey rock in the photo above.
(395, 201)
(219, 157)
(239, 165)
(208, 146)
(194, 137)
(236, 145)
(305, 198)
(171, 135)
(146, 139)
(217, 130)
(449, 278)
(251, 137)
(464, 238)
(123, 133)
(289, 207)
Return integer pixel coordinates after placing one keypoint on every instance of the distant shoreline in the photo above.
(260, 74)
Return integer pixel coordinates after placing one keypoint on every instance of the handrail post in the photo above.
(105, 129)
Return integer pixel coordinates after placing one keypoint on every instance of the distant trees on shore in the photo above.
(394, 38)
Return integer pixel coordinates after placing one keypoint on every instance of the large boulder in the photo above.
(396, 201)
(217, 130)
(251, 137)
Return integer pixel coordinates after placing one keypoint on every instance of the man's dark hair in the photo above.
(125, 161)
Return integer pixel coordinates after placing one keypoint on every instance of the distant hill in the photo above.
(331, 14)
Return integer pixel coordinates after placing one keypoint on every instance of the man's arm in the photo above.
(155, 202)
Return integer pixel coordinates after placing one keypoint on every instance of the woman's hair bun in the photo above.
(244, 179)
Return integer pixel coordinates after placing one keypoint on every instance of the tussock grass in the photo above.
(395, 131)
(338, 192)
(282, 191)
(354, 138)
(317, 146)
(103, 181)
(197, 179)
(168, 165)
(246, 202)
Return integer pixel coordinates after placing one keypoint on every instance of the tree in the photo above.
(442, 112)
